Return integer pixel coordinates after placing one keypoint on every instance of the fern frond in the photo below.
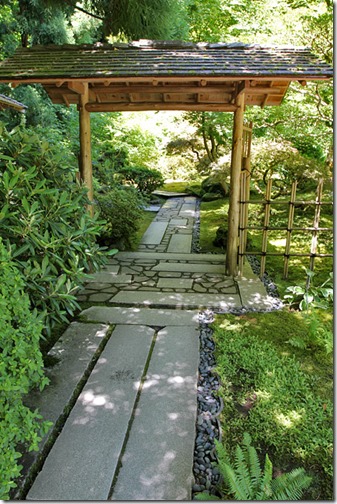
(290, 486)
(254, 468)
(265, 491)
(235, 485)
(242, 471)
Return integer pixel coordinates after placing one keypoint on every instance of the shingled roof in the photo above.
(6, 102)
(180, 75)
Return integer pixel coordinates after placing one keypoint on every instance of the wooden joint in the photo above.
(203, 83)
(76, 87)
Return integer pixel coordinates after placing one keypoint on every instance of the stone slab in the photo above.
(140, 316)
(154, 233)
(83, 460)
(169, 194)
(175, 283)
(182, 300)
(74, 350)
(178, 222)
(130, 256)
(254, 295)
(107, 277)
(180, 243)
(187, 210)
(190, 267)
(158, 458)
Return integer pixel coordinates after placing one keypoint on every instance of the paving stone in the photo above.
(175, 283)
(254, 295)
(189, 267)
(143, 316)
(74, 350)
(154, 233)
(168, 274)
(207, 258)
(188, 300)
(158, 457)
(107, 277)
(199, 288)
(83, 460)
(187, 210)
(178, 222)
(180, 243)
(100, 297)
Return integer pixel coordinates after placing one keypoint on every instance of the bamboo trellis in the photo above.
(267, 202)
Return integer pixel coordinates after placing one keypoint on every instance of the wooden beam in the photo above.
(77, 87)
(163, 89)
(85, 145)
(127, 106)
(234, 205)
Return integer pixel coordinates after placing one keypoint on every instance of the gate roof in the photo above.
(170, 75)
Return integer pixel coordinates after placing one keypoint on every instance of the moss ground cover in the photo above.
(282, 397)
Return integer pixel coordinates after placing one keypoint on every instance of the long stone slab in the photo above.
(158, 458)
(175, 283)
(154, 233)
(181, 300)
(140, 316)
(111, 278)
(123, 256)
(83, 460)
(180, 243)
(74, 351)
(254, 295)
(190, 267)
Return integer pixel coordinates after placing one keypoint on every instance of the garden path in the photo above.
(123, 393)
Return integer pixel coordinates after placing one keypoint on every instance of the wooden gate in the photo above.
(267, 203)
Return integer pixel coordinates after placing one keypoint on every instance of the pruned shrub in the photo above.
(21, 368)
(121, 208)
(45, 224)
(146, 180)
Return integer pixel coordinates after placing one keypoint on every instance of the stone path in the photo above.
(123, 393)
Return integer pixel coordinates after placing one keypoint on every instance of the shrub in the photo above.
(121, 208)
(146, 180)
(21, 367)
(45, 224)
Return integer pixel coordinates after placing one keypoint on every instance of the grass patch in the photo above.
(212, 215)
(280, 395)
(147, 218)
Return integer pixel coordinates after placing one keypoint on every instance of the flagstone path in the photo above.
(123, 393)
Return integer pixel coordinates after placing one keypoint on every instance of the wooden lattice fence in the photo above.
(267, 202)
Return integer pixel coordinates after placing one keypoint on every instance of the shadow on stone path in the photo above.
(125, 384)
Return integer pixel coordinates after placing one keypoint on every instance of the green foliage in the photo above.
(144, 179)
(45, 224)
(135, 19)
(244, 479)
(121, 208)
(282, 162)
(21, 368)
(287, 418)
(311, 296)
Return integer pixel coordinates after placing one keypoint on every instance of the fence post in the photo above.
(243, 220)
(314, 239)
(290, 228)
(265, 228)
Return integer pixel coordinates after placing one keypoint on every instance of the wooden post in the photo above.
(85, 145)
(314, 240)
(265, 228)
(289, 228)
(234, 200)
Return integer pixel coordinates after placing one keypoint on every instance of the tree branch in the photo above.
(75, 6)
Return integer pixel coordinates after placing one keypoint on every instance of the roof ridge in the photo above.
(166, 44)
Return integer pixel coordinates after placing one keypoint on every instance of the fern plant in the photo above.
(245, 480)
